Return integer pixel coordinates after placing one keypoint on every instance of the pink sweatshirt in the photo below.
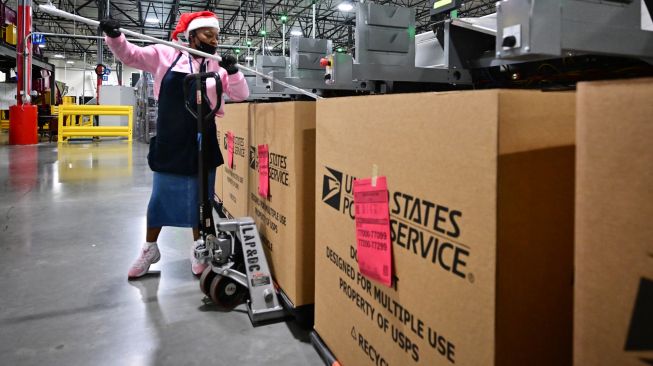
(156, 59)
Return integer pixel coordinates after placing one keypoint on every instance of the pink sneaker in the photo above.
(149, 255)
(196, 266)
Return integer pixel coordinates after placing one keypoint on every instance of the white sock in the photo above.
(148, 244)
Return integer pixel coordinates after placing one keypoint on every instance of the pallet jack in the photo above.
(238, 269)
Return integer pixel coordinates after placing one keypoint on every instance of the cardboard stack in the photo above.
(286, 218)
(235, 179)
(613, 304)
(481, 194)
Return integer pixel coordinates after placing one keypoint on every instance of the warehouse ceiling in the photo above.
(241, 20)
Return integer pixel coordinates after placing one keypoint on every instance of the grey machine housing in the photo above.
(387, 50)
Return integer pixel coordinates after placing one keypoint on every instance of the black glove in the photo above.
(229, 63)
(110, 27)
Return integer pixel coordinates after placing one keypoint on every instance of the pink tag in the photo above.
(230, 149)
(263, 175)
(373, 229)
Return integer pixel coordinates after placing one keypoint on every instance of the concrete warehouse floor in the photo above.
(72, 219)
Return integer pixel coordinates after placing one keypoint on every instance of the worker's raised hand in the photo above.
(229, 63)
(110, 27)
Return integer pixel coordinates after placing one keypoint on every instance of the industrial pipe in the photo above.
(52, 10)
(26, 97)
(24, 59)
(23, 116)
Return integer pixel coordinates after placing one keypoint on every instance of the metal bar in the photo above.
(50, 9)
(129, 39)
(84, 80)
(68, 22)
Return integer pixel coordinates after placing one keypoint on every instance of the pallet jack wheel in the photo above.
(225, 292)
(205, 280)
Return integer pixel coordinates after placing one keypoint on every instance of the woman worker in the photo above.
(173, 152)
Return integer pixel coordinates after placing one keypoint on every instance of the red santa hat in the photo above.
(191, 21)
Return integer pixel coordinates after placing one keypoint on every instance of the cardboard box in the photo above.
(219, 171)
(286, 219)
(235, 180)
(613, 304)
(481, 189)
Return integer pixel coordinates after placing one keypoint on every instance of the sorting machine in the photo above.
(458, 53)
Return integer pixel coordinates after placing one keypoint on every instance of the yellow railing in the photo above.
(76, 120)
(68, 129)
(4, 120)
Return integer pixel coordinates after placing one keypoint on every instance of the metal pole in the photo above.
(283, 40)
(264, 30)
(24, 54)
(313, 31)
(50, 9)
(100, 42)
(119, 72)
(247, 40)
(63, 35)
(84, 80)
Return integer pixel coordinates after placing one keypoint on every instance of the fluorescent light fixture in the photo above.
(152, 20)
(249, 58)
(345, 6)
(69, 62)
(58, 55)
(296, 32)
(42, 45)
(269, 48)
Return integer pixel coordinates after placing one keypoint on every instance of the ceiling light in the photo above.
(70, 62)
(249, 58)
(345, 6)
(58, 55)
(270, 48)
(296, 32)
(152, 20)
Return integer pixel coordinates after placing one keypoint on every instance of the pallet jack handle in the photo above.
(201, 93)
(206, 224)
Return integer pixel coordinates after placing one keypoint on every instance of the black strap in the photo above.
(175, 62)
(202, 64)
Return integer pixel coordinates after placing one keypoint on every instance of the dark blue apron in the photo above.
(174, 148)
(173, 157)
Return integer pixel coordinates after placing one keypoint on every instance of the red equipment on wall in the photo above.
(23, 116)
